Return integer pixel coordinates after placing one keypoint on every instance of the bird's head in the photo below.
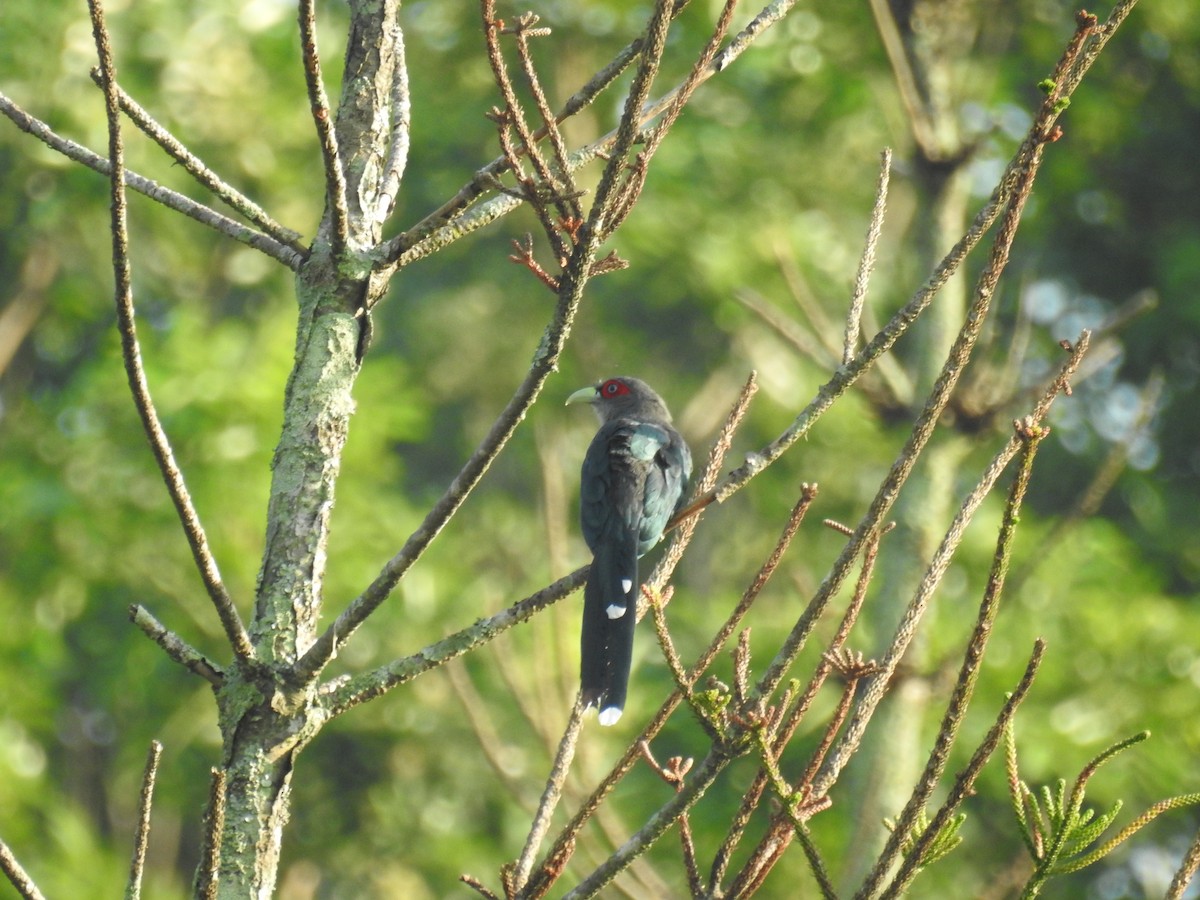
(623, 397)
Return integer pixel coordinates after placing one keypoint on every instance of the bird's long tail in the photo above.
(609, 615)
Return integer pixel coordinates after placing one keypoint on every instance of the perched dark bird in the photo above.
(633, 479)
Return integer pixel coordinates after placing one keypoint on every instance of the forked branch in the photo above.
(195, 167)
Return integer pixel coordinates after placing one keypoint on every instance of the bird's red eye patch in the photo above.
(613, 388)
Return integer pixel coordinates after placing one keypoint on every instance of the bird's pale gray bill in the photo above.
(583, 395)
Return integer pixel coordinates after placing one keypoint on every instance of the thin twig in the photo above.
(546, 188)
(550, 796)
(172, 476)
(674, 773)
(137, 865)
(335, 176)
(251, 237)
(798, 807)
(208, 874)
(195, 167)
(687, 517)
(683, 93)
(568, 189)
(866, 262)
(479, 887)
(17, 876)
(176, 647)
(683, 682)
(1092, 46)
(964, 687)
(816, 864)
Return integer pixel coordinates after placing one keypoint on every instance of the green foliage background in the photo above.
(778, 156)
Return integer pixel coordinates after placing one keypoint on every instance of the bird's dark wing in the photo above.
(665, 488)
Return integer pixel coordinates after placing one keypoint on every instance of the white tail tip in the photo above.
(609, 715)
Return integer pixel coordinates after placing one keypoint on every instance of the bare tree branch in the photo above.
(599, 220)
(701, 778)
(131, 352)
(551, 185)
(175, 647)
(632, 188)
(771, 846)
(195, 167)
(17, 876)
(171, 199)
